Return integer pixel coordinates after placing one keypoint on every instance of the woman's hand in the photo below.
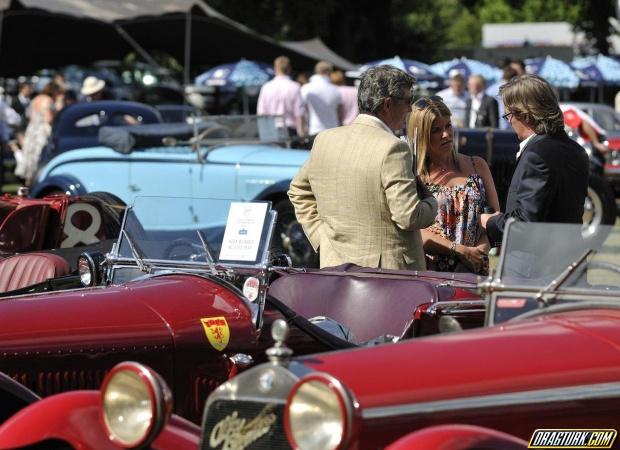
(472, 257)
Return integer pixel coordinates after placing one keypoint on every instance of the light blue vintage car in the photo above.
(233, 157)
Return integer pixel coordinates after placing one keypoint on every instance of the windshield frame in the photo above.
(539, 293)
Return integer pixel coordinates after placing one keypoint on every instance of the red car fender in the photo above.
(458, 437)
(178, 433)
(69, 416)
(74, 417)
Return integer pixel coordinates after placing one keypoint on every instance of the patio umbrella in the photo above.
(467, 67)
(244, 75)
(597, 70)
(231, 76)
(555, 71)
(422, 72)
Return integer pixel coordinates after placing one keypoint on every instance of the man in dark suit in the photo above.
(481, 109)
(550, 181)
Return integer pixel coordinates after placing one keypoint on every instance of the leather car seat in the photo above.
(26, 269)
(369, 306)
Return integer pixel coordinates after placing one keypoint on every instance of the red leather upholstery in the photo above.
(26, 269)
(370, 306)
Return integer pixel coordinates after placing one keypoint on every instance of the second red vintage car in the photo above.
(548, 359)
(58, 221)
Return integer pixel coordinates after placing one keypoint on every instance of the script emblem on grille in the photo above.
(236, 433)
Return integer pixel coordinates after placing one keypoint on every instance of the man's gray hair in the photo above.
(379, 83)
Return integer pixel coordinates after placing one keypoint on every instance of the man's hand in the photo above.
(484, 218)
(423, 191)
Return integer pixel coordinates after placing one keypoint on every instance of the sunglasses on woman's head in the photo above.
(425, 102)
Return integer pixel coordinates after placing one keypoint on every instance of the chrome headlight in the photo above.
(136, 404)
(319, 414)
(90, 268)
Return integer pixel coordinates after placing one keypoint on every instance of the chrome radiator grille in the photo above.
(244, 425)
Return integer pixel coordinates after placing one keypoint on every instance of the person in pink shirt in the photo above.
(281, 97)
(349, 97)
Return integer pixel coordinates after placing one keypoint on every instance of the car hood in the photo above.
(140, 313)
(513, 357)
(257, 154)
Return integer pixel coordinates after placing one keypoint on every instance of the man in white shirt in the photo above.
(282, 97)
(322, 99)
(455, 97)
(482, 110)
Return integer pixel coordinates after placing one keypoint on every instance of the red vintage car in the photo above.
(49, 234)
(178, 293)
(547, 359)
(58, 222)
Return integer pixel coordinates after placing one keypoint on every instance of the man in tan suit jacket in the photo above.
(356, 197)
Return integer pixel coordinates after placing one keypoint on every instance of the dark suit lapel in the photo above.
(535, 139)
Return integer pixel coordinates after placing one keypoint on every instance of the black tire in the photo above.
(599, 209)
(289, 237)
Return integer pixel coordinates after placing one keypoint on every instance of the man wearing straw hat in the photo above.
(356, 197)
(92, 88)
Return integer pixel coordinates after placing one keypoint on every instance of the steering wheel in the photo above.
(604, 265)
(178, 244)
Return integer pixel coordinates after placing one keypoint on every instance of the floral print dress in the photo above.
(458, 218)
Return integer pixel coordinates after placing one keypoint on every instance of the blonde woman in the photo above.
(462, 185)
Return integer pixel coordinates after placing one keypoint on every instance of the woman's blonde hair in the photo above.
(423, 113)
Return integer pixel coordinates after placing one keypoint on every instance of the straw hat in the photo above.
(92, 85)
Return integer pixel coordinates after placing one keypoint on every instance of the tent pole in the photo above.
(148, 58)
(188, 47)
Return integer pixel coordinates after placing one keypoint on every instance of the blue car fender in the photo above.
(63, 183)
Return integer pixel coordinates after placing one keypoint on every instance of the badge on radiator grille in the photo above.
(216, 329)
(238, 433)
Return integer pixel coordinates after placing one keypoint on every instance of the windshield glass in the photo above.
(542, 264)
(165, 230)
(242, 128)
(537, 253)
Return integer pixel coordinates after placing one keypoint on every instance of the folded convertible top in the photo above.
(124, 139)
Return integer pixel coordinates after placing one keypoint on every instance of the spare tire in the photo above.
(113, 209)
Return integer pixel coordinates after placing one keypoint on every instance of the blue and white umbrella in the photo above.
(422, 72)
(243, 73)
(467, 67)
(597, 70)
(555, 71)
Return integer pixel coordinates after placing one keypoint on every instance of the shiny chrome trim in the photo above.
(448, 305)
(463, 311)
(562, 394)
(350, 403)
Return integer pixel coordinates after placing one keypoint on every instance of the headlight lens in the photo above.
(136, 404)
(84, 270)
(90, 268)
(318, 414)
